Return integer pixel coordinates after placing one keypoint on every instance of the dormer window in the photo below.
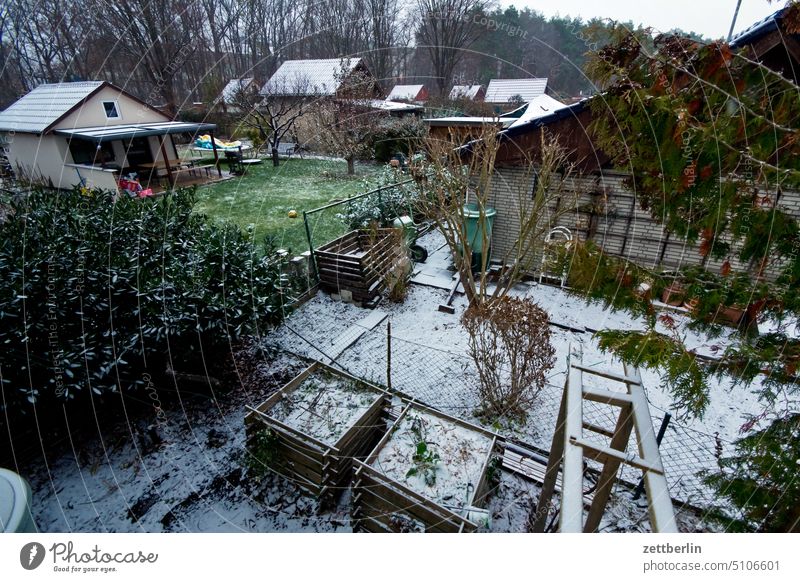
(111, 109)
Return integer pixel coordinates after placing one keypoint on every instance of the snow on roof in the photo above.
(465, 91)
(755, 31)
(391, 105)
(405, 92)
(541, 106)
(234, 86)
(469, 120)
(309, 77)
(503, 90)
(39, 109)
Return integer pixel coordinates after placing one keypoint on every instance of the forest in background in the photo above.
(173, 53)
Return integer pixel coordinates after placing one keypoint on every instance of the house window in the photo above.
(112, 109)
(89, 153)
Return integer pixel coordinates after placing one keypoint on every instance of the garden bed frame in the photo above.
(323, 469)
(355, 265)
(377, 497)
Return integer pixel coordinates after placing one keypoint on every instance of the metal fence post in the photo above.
(389, 354)
(312, 260)
(659, 437)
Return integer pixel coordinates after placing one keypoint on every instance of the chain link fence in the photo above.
(446, 380)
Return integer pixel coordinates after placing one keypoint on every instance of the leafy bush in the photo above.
(509, 341)
(397, 136)
(382, 207)
(99, 294)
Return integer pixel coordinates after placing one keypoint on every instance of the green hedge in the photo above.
(98, 294)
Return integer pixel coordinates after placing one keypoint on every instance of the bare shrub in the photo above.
(509, 341)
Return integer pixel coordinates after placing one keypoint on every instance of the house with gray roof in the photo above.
(514, 91)
(90, 133)
(318, 78)
(233, 89)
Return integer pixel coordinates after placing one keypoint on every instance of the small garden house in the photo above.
(305, 78)
(409, 93)
(91, 133)
(468, 92)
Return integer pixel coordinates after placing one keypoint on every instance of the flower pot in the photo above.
(692, 303)
(674, 294)
(730, 315)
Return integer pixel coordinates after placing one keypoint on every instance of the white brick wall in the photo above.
(621, 229)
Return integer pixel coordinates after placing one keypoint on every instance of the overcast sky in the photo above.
(711, 18)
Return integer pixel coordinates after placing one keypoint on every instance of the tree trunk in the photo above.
(351, 166)
(275, 160)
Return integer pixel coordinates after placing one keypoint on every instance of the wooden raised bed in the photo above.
(389, 497)
(357, 263)
(316, 425)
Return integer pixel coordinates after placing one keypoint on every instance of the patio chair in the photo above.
(234, 161)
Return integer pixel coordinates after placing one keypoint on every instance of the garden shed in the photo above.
(91, 133)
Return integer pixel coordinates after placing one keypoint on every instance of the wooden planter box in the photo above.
(318, 424)
(355, 265)
(387, 498)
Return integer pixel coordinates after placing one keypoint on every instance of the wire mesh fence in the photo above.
(447, 380)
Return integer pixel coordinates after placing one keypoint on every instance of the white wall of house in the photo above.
(92, 113)
(41, 159)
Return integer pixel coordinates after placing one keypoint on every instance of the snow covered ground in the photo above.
(189, 472)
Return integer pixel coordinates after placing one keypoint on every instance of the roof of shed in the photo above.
(755, 31)
(233, 87)
(405, 92)
(465, 91)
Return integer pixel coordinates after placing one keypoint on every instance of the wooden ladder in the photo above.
(570, 449)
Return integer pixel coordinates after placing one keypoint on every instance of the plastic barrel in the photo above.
(475, 226)
(15, 504)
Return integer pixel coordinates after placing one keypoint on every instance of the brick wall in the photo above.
(603, 209)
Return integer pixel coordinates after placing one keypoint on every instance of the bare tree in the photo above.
(447, 27)
(388, 36)
(274, 114)
(345, 121)
(160, 37)
(456, 177)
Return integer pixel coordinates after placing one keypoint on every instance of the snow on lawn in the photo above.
(430, 362)
(429, 351)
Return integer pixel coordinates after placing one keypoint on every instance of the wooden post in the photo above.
(166, 162)
(216, 154)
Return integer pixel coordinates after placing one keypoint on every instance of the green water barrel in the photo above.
(475, 226)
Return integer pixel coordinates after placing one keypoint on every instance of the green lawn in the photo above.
(265, 195)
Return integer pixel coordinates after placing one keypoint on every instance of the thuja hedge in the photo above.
(98, 294)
